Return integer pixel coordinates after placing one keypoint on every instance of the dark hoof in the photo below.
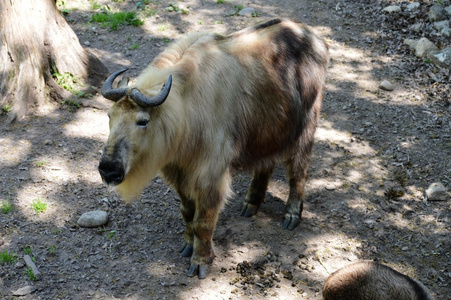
(186, 250)
(200, 270)
(290, 222)
(248, 210)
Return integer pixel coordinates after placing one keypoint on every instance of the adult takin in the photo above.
(210, 104)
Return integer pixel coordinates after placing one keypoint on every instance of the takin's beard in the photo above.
(137, 179)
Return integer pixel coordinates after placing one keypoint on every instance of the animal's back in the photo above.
(369, 280)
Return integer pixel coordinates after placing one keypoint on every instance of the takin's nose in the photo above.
(112, 173)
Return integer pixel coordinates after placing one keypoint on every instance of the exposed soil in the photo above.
(375, 154)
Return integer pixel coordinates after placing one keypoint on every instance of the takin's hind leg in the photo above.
(256, 193)
(297, 167)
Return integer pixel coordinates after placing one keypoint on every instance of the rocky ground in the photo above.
(376, 153)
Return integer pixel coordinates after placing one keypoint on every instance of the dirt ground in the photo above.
(376, 153)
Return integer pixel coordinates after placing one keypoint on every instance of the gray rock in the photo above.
(448, 10)
(437, 13)
(413, 6)
(441, 25)
(93, 219)
(392, 9)
(423, 47)
(446, 31)
(26, 290)
(247, 12)
(441, 58)
(386, 85)
(437, 192)
(417, 27)
(411, 43)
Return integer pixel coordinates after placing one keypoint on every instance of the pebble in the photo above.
(386, 85)
(87, 43)
(413, 6)
(437, 192)
(437, 13)
(448, 10)
(93, 219)
(441, 58)
(392, 8)
(247, 12)
(26, 290)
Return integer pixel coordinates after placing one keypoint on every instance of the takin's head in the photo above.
(132, 154)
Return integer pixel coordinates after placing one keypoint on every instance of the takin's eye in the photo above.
(142, 123)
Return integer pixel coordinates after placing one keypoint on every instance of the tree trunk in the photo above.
(34, 36)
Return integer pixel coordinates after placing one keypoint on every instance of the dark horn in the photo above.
(146, 101)
(108, 91)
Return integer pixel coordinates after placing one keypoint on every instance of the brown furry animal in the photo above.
(241, 101)
(369, 280)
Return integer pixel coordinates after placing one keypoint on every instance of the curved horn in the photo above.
(108, 91)
(146, 101)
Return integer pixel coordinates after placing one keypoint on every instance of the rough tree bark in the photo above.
(33, 37)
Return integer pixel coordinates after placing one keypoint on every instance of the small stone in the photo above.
(441, 25)
(441, 58)
(448, 10)
(437, 192)
(247, 12)
(413, 6)
(417, 27)
(87, 43)
(26, 290)
(423, 47)
(446, 31)
(386, 86)
(437, 13)
(93, 219)
(48, 142)
(392, 9)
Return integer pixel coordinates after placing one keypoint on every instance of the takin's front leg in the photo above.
(187, 208)
(204, 224)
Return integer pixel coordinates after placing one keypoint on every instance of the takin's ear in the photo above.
(123, 82)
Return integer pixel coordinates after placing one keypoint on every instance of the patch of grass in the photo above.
(67, 81)
(111, 234)
(163, 27)
(220, 1)
(29, 272)
(6, 108)
(39, 205)
(200, 22)
(52, 249)
(174, 7)
(114, 20)
(135, 47)
(239, 7)
(6, 207)
(27, 250)
(40, 163)
(7, 257)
